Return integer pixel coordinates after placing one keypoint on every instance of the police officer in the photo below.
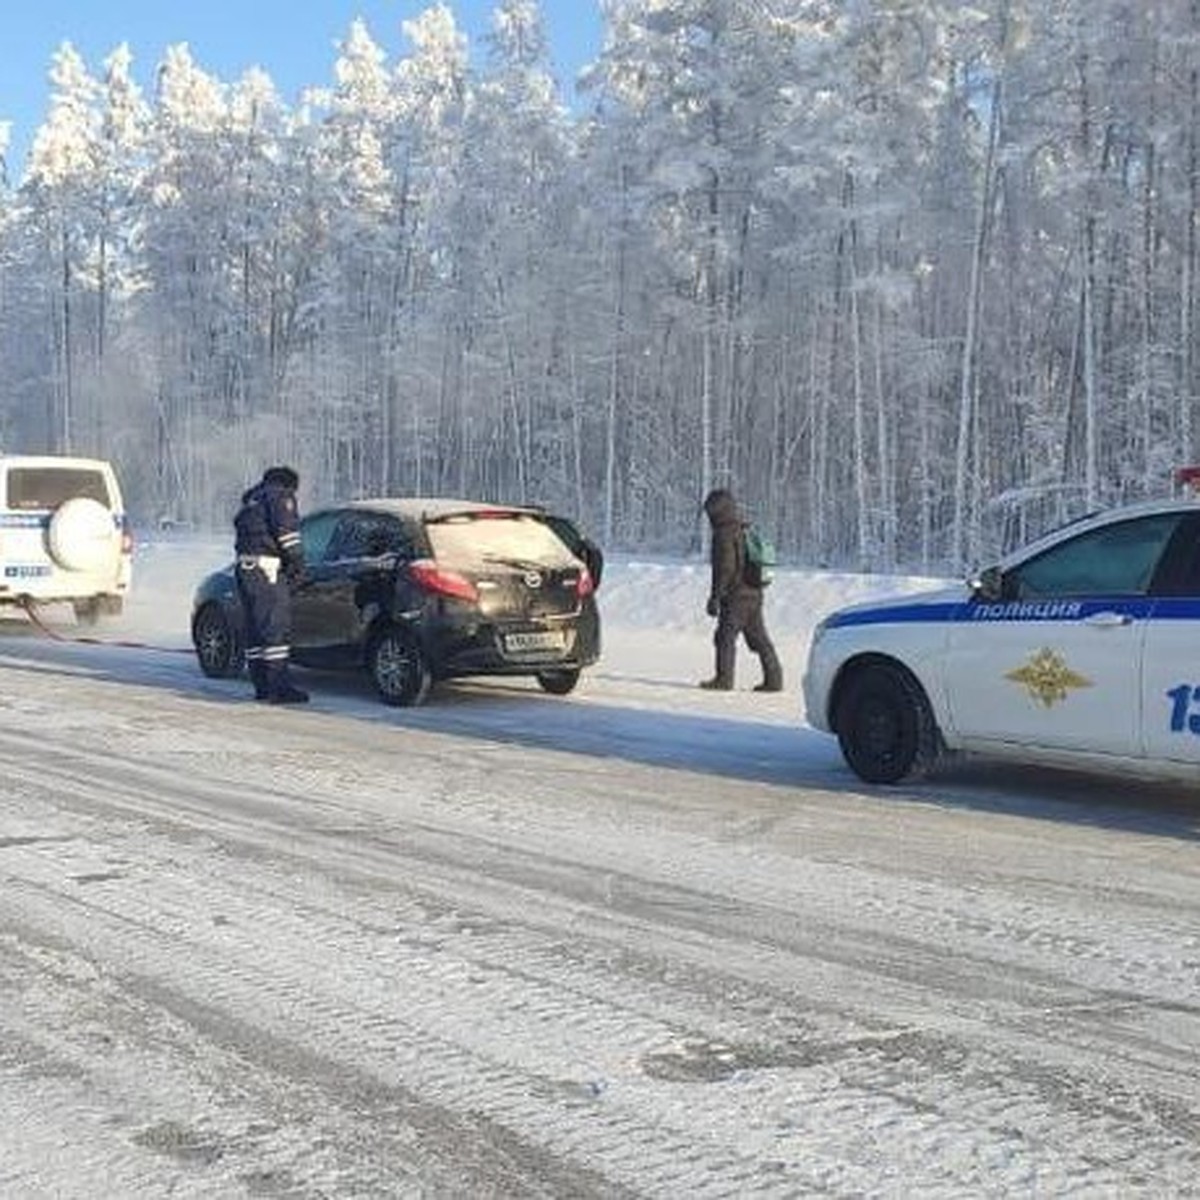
(737, 604)
(270, 559)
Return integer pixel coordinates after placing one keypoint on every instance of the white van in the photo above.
(64, 534)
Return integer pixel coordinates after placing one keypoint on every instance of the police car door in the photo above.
(1056, 661)
(1170, 664)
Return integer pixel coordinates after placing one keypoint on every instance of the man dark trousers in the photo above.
(270, 559)
(737, 605)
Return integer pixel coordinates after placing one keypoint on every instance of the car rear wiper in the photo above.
(518, 564)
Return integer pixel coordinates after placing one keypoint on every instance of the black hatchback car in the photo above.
(418, 591)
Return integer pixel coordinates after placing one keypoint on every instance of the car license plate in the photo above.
(550, 639)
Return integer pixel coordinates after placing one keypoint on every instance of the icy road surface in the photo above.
(641, 941)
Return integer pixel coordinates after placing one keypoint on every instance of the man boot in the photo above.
(722, 680)
(772, 676)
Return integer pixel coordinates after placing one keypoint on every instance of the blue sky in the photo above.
(292, 40)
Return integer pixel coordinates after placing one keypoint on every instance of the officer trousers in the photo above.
(267, 606)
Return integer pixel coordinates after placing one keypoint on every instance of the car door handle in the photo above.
(1109, 620)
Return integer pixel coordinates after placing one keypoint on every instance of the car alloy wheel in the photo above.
(398, 668)
(558, 683)
(884, 725)
(218, 649)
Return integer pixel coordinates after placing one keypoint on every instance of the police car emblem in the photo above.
(1047, 677)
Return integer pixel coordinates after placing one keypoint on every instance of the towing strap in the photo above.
(30, 606)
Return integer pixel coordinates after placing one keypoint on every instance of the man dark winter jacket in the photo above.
(270, 559)
(737, 605)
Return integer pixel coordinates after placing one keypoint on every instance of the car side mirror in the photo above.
(988, 584)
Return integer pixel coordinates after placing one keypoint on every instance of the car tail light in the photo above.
(584, 585)
(426, 574)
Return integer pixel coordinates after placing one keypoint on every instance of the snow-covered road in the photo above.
(641, 941)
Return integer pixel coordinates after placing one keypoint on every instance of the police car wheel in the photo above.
(398, 668)
(885, 727)
(218, 647)
(558, 683)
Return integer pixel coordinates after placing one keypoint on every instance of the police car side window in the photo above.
(1179, 573)
(1117, 560)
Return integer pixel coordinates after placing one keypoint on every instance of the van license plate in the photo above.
(551, 639)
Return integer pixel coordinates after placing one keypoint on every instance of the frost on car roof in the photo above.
(437, 508)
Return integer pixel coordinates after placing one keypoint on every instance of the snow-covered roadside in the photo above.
(644, 940)
(655, 627)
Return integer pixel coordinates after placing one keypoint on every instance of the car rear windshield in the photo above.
(48, 487)
(511, 539)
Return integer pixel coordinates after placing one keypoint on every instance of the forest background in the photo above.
(916, 278)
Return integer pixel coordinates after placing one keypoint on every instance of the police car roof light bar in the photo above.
(1188, 478)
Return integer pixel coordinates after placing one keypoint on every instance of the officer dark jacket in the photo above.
(726, 553)
(267, 524)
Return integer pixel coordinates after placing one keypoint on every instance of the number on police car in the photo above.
(1185, 708)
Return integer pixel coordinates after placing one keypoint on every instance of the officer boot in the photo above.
(257, 670)
(280, 688)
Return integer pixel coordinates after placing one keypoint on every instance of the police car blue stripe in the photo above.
(1182, 608)
(40, 520)
(1177, 608)
(901, 614)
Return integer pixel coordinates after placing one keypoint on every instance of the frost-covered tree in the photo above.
(916, 277)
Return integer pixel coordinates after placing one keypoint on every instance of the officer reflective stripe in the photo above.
(275, 653)
(254, 653)
(287, 540)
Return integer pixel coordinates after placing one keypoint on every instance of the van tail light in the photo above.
(584, 585)
(126, 536)
(429, 577)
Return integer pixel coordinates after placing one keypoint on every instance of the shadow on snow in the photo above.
(516, 713)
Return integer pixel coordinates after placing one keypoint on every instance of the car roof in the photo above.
(53, 460)
(434, 507)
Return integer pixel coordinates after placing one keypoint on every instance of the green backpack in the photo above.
(758, 557)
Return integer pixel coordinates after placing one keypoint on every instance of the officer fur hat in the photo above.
(283, 477)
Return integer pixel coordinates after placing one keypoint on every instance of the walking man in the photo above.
(736, 603)
(270, 559)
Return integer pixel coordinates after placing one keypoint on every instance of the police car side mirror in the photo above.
(988, 584)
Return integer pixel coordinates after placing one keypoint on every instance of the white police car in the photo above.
(1083, 649)
(64, 534)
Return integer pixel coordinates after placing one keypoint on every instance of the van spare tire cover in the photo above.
(83, 536)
